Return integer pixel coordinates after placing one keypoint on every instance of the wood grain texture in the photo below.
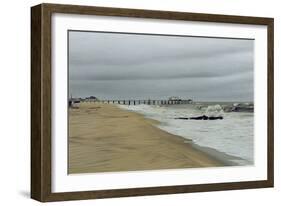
(41, 101)
(270, 102)
(171, 15)
(36, 58)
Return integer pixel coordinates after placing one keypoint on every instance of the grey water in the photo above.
(233, 135)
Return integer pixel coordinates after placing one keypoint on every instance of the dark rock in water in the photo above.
(215, 118)
(243, 109)
(203, 117)
(185, 118)
(239, 107)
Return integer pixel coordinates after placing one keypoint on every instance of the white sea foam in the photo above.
(214, 111)
(233, 135)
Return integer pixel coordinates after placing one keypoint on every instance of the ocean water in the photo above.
(233, 135)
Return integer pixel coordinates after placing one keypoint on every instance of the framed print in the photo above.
(130, 102)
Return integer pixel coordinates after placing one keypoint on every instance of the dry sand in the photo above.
(105, 138)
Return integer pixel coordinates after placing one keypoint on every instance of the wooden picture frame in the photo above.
(41, 116)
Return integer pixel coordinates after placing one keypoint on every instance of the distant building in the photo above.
(91, 98)
(180, 100)
(175, 98)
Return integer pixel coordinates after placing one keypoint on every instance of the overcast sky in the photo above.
(130, 66)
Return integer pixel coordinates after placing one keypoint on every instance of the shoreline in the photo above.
(220, 155)
(105, 138)
(224, 158)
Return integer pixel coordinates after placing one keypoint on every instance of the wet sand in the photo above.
(105, 138)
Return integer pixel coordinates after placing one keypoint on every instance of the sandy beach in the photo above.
(105, 138)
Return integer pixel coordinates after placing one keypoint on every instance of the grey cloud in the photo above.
(140, 66)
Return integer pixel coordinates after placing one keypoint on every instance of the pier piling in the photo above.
(148, 102)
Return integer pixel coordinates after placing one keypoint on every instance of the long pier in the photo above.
(137, 102)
